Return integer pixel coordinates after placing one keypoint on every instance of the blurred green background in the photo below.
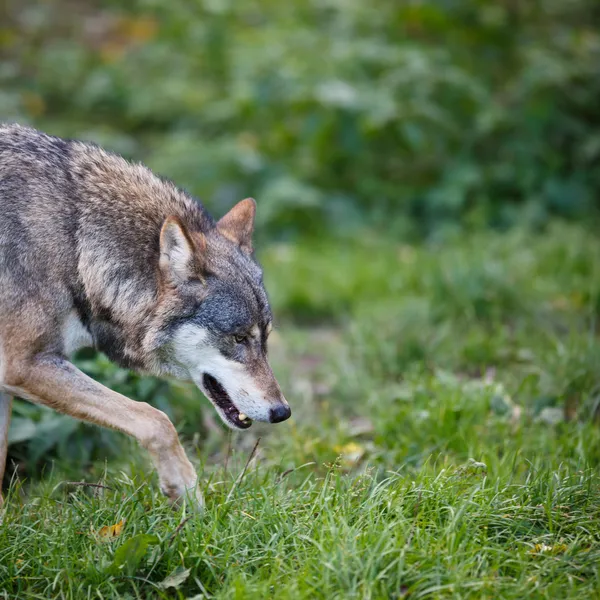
(360, 127)
(421, 115)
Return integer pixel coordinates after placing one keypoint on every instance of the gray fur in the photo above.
(94, 249)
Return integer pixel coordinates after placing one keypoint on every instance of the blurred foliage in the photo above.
(427, 114)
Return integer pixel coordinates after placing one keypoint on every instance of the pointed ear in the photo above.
(238, 224)
(176, 251)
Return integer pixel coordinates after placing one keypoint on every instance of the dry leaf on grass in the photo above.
(350, 453)
(111, 531)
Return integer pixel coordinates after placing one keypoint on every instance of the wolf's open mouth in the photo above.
(220, 397)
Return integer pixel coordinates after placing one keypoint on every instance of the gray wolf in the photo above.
(96, 251)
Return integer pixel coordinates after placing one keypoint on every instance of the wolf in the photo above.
(96, 251)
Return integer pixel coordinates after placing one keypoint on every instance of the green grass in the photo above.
(444, 443)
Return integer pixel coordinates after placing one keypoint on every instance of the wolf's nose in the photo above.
(280, 413)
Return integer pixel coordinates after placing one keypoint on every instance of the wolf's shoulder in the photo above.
(16, 134)
(101, 180)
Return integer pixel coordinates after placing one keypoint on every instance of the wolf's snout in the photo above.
(280, 413)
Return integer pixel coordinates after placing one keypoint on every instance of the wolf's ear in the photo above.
(176, 251)
(238, 224)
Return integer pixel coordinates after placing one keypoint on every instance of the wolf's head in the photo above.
(216, 317)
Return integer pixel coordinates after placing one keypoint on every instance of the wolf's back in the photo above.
(37, 238)
(82, 216)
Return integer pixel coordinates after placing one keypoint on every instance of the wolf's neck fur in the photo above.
(122, 207)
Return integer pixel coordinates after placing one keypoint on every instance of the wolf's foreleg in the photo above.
(5, 409)
(53, 381)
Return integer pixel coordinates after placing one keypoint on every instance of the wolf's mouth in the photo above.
(221, 398)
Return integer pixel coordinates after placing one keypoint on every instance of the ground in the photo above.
(444, 443)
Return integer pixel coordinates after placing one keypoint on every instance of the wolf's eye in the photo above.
(240, 339)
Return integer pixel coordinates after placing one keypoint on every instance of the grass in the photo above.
(444, 443)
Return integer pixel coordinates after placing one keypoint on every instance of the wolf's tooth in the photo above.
(242, 417)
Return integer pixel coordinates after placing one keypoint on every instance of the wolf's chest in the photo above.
(99, 334)
(75, 335)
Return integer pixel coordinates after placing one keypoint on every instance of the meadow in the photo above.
(427, 182)
(444, 442)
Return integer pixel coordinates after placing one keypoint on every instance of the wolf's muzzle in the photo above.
(280, 413)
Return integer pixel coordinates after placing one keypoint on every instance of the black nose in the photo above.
(280, 413)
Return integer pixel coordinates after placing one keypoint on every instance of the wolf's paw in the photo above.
(178, 495)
